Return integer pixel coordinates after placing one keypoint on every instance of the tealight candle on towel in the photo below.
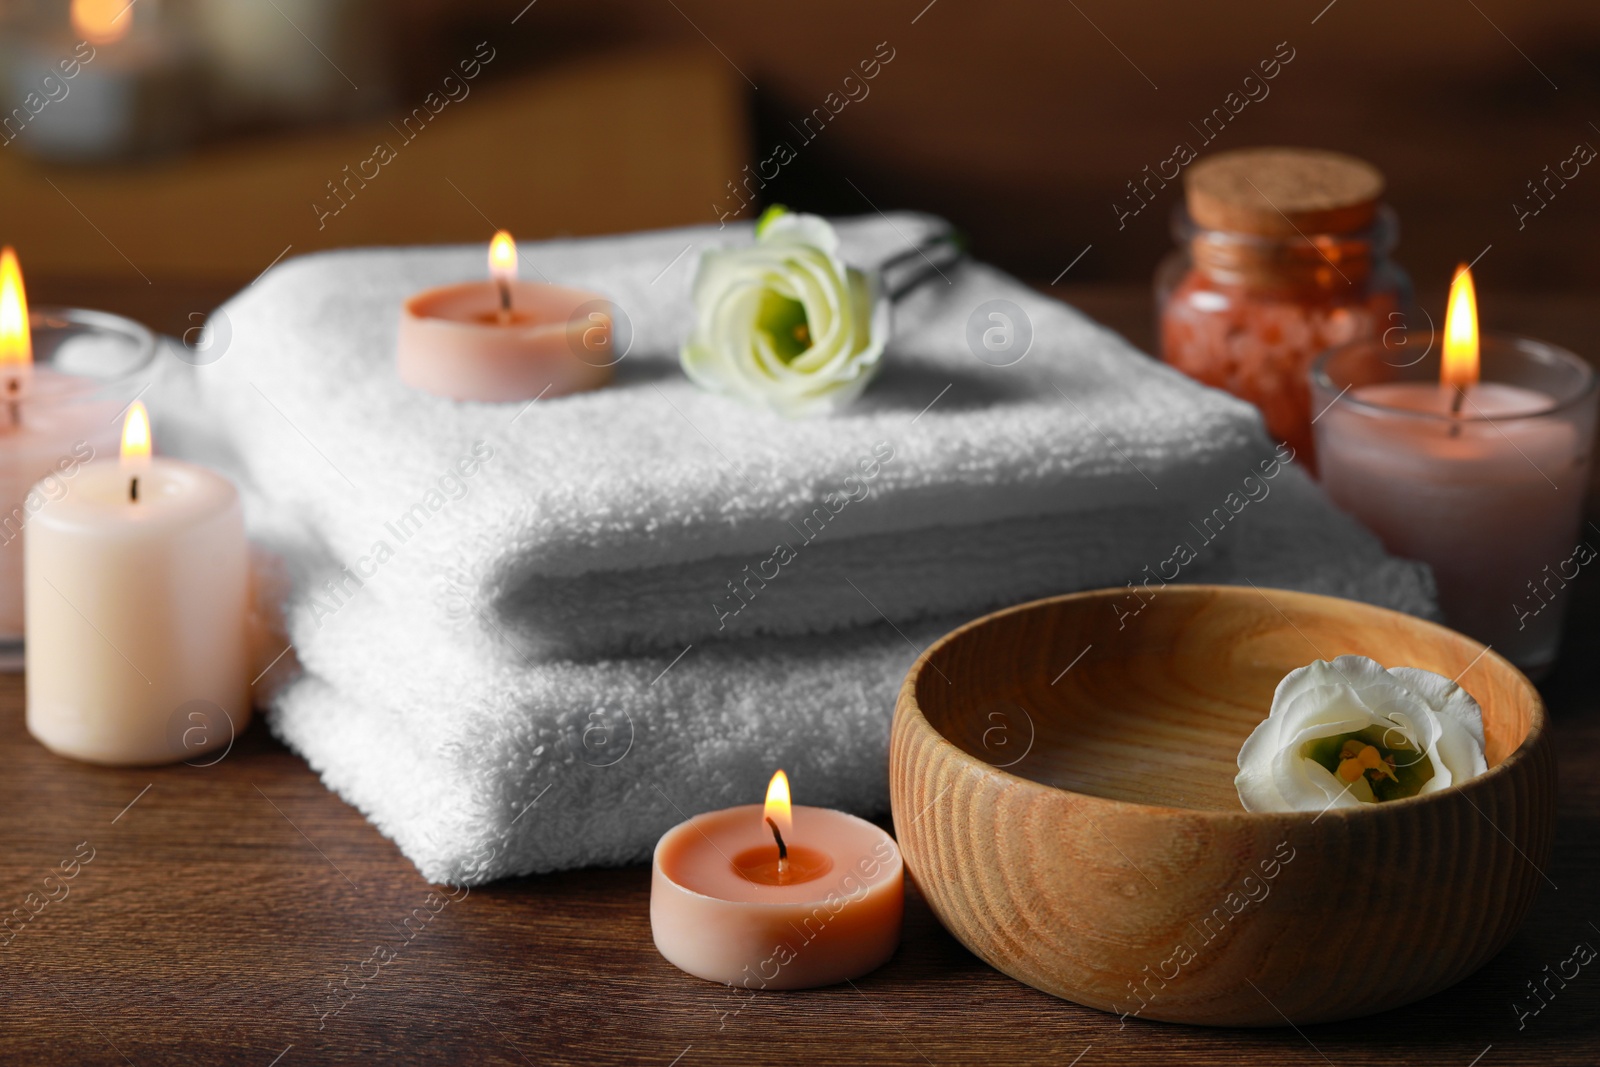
(775, 896)
(137, 600)
(505, 340)
(1481, 475)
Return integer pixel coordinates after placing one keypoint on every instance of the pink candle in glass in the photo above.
(1482, 478)
(503, 340)
(777, 897)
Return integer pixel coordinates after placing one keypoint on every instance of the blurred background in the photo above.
(156, 156)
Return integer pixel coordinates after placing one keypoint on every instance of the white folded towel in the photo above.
(650, 514)
(481, 764)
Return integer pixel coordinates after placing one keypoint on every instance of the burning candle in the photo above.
(773, 896)
(137, 593)
(122, 85)
(55, 415)
(1474, 461)
(505, 339)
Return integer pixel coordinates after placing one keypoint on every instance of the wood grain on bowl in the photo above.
(1063, 794)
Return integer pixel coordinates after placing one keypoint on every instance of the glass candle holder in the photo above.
(101, 82)
(87, 367)
(1489, 494)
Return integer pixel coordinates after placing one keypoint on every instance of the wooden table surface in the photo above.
(213, 907)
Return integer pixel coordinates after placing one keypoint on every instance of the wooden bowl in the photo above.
(1063, 794)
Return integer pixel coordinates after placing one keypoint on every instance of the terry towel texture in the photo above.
(643, 516)
(481, 764)
(517, 646)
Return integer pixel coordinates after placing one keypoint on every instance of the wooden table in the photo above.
(221, 902)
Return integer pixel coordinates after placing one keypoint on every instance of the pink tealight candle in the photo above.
(775, 896)
(1484, 480)
(503, 339)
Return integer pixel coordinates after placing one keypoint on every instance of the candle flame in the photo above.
(136, 434)
(102, 21)
(503, 257)
(1460, 366)
(777, 807)
(16, 338)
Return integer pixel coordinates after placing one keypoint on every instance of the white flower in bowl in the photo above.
(1349, 732)
(784, 324)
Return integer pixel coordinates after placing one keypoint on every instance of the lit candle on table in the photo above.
(1479, 473)
(123, 84)
(775, 896)
(505, 339)
(51, 421)
(137, 594)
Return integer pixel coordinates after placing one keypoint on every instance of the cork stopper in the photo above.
(1282, 192)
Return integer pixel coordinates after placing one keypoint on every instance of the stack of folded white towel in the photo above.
(532, 636)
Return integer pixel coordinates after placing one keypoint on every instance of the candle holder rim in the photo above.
(655, 855)
(1588, 381)
(144, 340)
(1527, 748)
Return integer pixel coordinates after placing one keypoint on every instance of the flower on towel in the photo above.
(1348, 733)
(783, 323)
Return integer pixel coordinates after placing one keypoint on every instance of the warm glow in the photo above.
(1460, 367)
(503, 257)
(102, 21)
(16, 340)
(136, 434)
(777, 808)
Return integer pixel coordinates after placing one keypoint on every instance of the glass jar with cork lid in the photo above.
(1283, 253)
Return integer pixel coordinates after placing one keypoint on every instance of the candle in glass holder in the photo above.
(124, 85)
(1474, 461)
(775, 896)
(64, 377)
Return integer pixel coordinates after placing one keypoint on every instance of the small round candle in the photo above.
(502, 339)
(137, 599)
(730, 904)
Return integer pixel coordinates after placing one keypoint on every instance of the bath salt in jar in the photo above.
(1283, 253)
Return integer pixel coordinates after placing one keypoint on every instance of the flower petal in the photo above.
(1416, 711)
(731, 350)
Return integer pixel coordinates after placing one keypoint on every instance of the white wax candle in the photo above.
(1488, 506)
(136, 615)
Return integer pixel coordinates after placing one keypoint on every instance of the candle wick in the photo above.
(1455, 409)
(133, 489)
(783, 850)
(505, 300)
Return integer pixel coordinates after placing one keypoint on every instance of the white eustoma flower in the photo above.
(1348, 733)
(783, 323)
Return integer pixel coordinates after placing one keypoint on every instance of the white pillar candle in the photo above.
(137, 594)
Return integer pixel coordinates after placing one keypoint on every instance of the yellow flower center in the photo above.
(1375, 764)
(1356, 759)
